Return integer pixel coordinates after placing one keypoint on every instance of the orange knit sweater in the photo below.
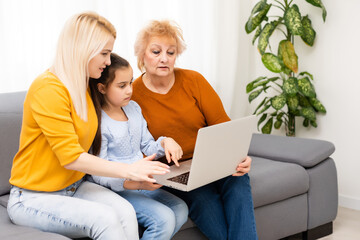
(189, 105)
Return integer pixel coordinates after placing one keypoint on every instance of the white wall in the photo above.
(334, 62)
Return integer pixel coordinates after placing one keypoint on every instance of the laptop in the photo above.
(218, 150)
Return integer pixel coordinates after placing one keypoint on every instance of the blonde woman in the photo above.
(59, 124)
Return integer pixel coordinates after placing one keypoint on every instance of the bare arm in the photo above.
(138, 171)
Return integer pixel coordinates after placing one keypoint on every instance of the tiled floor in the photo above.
(346, 225)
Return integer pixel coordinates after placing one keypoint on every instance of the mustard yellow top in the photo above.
(52, 135)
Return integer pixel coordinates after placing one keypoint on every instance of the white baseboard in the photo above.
(349, 202)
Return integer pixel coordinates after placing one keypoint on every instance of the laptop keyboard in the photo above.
(182, 178)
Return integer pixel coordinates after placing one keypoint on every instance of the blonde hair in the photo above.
(82, 38)
(157, 28)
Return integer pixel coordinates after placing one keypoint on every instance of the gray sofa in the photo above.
(294, 183)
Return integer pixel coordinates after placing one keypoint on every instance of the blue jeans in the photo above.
(222, 209)
(83, 209)
(160, 212)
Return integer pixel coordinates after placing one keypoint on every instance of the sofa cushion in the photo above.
(4, 200)
(273, 181)
(11, 105)
(11, 231)
(303, 151)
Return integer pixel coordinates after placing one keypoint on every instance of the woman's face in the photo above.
(100, 61)
(160, 55)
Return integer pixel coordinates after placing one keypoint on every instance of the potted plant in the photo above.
(289, 94)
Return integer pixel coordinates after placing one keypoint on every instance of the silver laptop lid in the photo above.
(226, 143)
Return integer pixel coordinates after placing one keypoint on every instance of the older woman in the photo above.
(177, 103)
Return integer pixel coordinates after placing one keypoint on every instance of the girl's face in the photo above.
(160, 56)
(118, 93)
(100, 61)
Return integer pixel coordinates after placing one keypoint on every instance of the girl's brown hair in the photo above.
(107, 77)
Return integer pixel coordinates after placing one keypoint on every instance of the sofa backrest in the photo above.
(11, 108)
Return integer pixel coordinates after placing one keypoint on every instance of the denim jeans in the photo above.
(160, 212)
(223, 209)
(83, 209)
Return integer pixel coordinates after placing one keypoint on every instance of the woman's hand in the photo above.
(143, 169)
(243, 167)
(173, 151)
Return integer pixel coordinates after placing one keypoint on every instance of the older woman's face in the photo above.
(160, 56)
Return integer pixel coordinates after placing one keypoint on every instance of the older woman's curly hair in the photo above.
(157, 28)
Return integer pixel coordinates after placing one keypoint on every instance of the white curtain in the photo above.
(212, 30)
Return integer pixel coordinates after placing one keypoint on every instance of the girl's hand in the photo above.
(173, 150)
(149, 186)
(134, 185)
(143, 169)
(243, 167)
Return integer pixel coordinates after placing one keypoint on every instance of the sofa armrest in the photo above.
(303, 151)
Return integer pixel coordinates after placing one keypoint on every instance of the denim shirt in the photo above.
(126, 141)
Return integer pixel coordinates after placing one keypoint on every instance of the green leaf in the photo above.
(272, 62)
(306, 87)
(278, 102)
(261, 8)
(290, 86)
(265, 35)
(313, 123)
(309, 33)
(306, 122)
(286, 52)
(306, 73)
(273, 79)
(296, 113)
(266, 129)
(318, 3)
(266, 107)
(292, 19)
(287, 71)
(263, 117)
(264, 83)
(292, 102)
(303, 101)
(317, 105)
(308, 113)
(279, 116)
(257, 34)
(258, 7)
(250, 85)
(260, 105)
(277, 124)
(254, 95)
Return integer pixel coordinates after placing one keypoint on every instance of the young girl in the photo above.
(123, 137)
